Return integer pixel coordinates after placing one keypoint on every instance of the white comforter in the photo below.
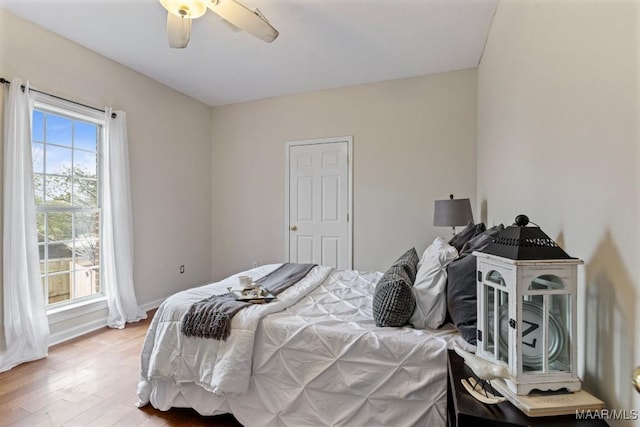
(322, 361)
(221, 367)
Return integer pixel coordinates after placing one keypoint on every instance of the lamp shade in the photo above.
(452, 212)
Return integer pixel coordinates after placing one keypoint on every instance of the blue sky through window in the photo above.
(62, 132)
(37, 126)
(85, 136)
(58, 130)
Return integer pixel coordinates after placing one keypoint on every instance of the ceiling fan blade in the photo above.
(229, 25)
(245, 19)
(178, 30)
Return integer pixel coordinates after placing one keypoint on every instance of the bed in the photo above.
(312, 357)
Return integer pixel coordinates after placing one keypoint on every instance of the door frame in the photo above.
(349, 141)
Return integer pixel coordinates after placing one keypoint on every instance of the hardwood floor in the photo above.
(89, 381)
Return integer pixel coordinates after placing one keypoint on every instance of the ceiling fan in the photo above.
(181, 12)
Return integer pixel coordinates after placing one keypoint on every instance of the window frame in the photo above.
(67, 109)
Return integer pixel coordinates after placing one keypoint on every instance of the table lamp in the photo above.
(452, 212)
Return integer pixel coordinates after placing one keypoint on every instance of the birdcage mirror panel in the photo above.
(533, 332)
(547, 282)
(496, 278)
(490, 312)
(496, 316)
(560, 318)
(545, 333)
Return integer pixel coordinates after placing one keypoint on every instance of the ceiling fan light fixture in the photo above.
(178, 31)
(180, 13)
(185, 8)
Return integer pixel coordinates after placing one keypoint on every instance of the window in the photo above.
(66, 146)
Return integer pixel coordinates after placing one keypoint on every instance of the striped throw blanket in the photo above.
(211, 317)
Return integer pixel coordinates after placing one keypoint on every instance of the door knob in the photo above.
(635, 378)
(293, 228)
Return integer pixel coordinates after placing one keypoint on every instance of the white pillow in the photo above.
(429, 288)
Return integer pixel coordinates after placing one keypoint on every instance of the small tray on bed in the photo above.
(255, 296)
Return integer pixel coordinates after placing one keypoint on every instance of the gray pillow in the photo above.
(466, 234)
(481, 240)
(409, 263)
(461, 296)
(461, 285)
(393, 301)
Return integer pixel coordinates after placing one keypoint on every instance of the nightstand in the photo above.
(463, 410)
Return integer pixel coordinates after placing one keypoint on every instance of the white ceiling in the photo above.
(322, 44)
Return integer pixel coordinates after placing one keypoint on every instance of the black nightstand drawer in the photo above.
(465, 411)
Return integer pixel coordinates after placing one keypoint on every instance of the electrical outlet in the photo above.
(181, 269)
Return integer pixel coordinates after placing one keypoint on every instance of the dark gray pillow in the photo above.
(461, 285)
(481, 241)
(393, 301)
(409, 263)
(466, 234)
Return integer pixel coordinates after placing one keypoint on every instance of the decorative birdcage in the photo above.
(527, 289)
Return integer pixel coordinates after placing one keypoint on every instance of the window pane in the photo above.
(40, 227)
(86, 283)
(87, 239)
(59, 287)
(58, 160)
(87, 225)
(58, 130)
(37, 156)
(38, 188)
(41, 250)
(58, 190)
(44, 288)
(85, 136)
(61, 258)
(59, 226)
(37, 126)
(85, 192)
(86, 253)
(84, 164)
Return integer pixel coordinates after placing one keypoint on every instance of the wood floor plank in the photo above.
(13, 414)
(90, 381)
(57, 413)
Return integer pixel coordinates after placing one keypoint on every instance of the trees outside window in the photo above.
(66, 167)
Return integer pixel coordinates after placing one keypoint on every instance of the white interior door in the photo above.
(319, 203)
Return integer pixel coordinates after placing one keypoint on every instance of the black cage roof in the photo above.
(520, 242)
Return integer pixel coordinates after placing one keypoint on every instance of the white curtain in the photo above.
(117, 237)
(26, 328)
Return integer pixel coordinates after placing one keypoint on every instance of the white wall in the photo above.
(413, 142)
(558, 140)
(169, 145)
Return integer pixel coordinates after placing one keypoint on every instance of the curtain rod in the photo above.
(5, 81)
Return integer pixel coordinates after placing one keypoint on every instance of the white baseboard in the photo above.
(153, 304)
(76, 331)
